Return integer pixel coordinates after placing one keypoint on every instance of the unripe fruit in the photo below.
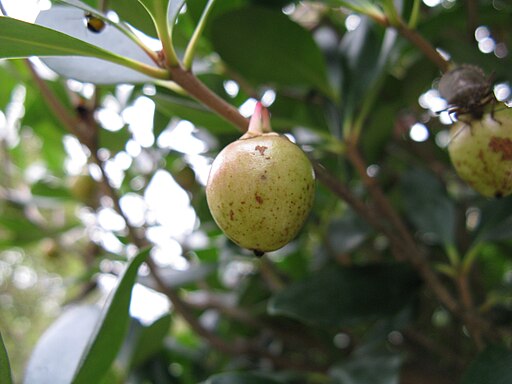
(260, 189)
(482, 152)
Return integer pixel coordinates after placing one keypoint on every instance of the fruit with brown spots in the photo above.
(261, 188)
(481, 152)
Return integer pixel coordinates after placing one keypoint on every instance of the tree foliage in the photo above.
(111, 266)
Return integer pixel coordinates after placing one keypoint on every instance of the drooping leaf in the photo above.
(364, 54)
(368, 367)
(111, 327)
(493, 365)
(134, 14)
(70, 20)
(144, 341)
(427, 206)
(239, 378)
(5, 367)
(265, 46)
(347, 233)
(496, 221)
(21, 39)
(341, 296)
(58, 351)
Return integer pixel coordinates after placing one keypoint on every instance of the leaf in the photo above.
(496, 221)
(265, 46)
(240, 378)
(338, 296)
(150, 340)
(364, 54)
(427, 206)
(493, 365)
(70, 20)
(111, 328)
(156, 8)
(21, 39)
(368, 367)
(347, 233)
(58, 351)
(134, 14)
(5, 367)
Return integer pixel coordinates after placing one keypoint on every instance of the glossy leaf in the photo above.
(21, 39)
(111, 328)
(427, 206)
(58, 351)
(496, 221)
(70, 20)
(5, 367)
(265, 46)
(493, 365)
(338, 296)
(347, 233)
(150, 339)
(368, 367)
(240, 378)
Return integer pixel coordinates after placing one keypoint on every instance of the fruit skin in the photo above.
(482, 152)
(260, 191)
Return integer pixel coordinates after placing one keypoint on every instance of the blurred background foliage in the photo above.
(339, 304)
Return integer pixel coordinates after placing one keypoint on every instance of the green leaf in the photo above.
(22, 39)
(58, 351)
(150, 340)
(364, 55)
(265, 46)
(338, 296)
(134, 14)
(493, 365)
(5, 367)
(240, 378)
(368, 367)
(496, 221)
(428, 207)
(111, 328)
(347, 233)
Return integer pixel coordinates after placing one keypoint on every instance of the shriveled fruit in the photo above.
(481, 152)
(260, 189)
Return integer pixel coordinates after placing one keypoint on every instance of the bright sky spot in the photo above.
(352, 22)
(231, 87)
(180, 137)
(139, 117)
(433, 101)
(109, 220)
(268, 98)
(247, 108)
(170, 205)
(77, 158)
(502, 91)
(419, 132)
(134, 207)
(432, 3)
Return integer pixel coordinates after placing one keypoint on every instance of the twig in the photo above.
(202, 93)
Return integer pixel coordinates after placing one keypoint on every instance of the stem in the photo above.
(415, 13)
(467, 302)
(203, 94)
(192, 44)
(423, 45)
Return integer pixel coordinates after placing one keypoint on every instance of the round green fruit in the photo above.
(260, 191)
(481, 152)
